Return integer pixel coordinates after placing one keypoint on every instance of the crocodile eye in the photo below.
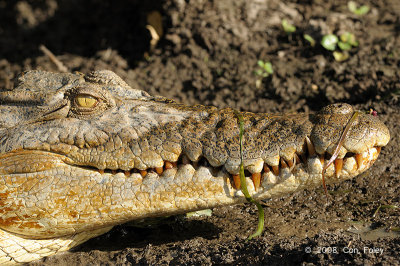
(86, 101)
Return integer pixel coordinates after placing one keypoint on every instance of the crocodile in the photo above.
(82, 153)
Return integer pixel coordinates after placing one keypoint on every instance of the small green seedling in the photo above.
(340, 56)
(287, 27)
(309, 39)
(264, 71)
(329, 42)
(353, 7)
(346, 41)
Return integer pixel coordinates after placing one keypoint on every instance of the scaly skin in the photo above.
(79, 154)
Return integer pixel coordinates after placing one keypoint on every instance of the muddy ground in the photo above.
(208, 54)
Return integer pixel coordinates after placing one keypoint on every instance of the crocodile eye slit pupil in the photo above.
(86, 101)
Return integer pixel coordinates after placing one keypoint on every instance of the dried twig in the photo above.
(53, 59)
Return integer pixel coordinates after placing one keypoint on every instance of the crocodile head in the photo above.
(79, 153)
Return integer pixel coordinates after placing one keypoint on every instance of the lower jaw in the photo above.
(178, 190)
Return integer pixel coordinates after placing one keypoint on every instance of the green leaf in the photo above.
(340, 56)
(344, 46)
(353, 7)
(268, 67)
(260, 63)
(349, 38)
(329, 42)
(258, 72)
(309, 39)
(362, 10)
(287, 27)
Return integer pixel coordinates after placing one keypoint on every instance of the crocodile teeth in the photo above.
(283, 163)
(359, 159)
(236, 181)
(168, 165)
(291, 163)
(297, 158)
(275, 170)
(338, 167)
(322, 159)
(303, 158)
(266, 168)
(143, 173)
(159, 170)
(260, 169)
(310, 147)
(256, 178)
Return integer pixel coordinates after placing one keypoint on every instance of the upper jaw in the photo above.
(150, 135)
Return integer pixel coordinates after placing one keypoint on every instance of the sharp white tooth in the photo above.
(338, 167)
(322, 159)
(291, 163)
(168, 165)
(143, 173)
(159, 170)
(236, 181)
(359, 159)
(275, 169)
(266, 168)
(310, 147)
(283, 163)
(256, 178)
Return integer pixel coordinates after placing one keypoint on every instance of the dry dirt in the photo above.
(208, 55)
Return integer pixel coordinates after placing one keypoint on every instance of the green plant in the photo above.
(243, 185)
(353, 7)
(287, 27)
(340, 56)
(264, 70)
(329, 42)
(309, 39)
(345, 42)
